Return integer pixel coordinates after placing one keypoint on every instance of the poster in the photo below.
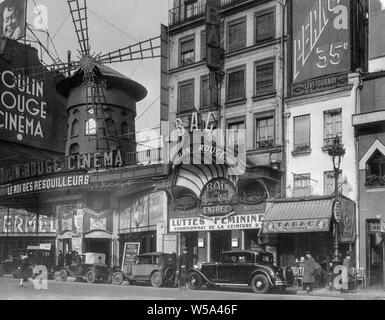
(321, 38)
(131, 250)
(170, 243)
(13, 18)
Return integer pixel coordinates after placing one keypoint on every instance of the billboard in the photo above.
(376, 35)
(31, 111)
(13, 18)
(321, 39)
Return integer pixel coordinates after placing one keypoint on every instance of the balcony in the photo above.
(190, 11)
(144, 158)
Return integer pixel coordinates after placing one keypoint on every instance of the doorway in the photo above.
(98, 246)
(220, 241)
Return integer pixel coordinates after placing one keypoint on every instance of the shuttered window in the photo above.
(264, 75)
(302, 185)
(236, 85)
(236, 35)
(187, 52)
(302, 133)
(205, 96)
(265, 27)
(186, 96)
(203, 45)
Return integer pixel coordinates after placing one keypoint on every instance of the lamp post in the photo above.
(336, 152)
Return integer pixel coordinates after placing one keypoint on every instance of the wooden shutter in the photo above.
(205, 97)
(236, 85)
(264, 78)
(302, 132)
(186, 96)
(265, 27)
(237, 35)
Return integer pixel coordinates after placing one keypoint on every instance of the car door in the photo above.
(227, 268)
(244, 267)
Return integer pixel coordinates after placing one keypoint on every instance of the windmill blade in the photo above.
(147, 49)
(78, 10)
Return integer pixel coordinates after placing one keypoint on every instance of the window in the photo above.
(110, 127)
(91, 127)
(333, 126)
(302, 185)
(265, 133)
(234, 135)
(186, 96)
(191, 8)
(265, 27)
(205, 92)
(187, 51)
(236, 35)
(74, 149)
(329, 183)
(375, 173)
(302, 133)
(236, 85)
(264, 77)
(75, 128)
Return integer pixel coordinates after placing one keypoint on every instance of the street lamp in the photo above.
(336, 152)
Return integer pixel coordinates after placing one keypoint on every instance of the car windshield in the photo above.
(266, 258)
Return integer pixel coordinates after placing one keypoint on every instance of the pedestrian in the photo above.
(309, 272)
(24, 270)
(349, 265)
(183, 265)
(60, 260)
(68, 259)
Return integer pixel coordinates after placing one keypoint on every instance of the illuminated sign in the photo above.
(321, 38)
(68, 164)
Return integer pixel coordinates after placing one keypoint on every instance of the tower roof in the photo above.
(115, 79)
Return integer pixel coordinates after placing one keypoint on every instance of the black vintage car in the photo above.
(90, 267)
(242, 268)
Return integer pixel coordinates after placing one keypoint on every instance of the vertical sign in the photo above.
(376, 35)
(131, 250)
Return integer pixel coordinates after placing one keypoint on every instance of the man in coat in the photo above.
(349, 265)
(60, 260)
(183, 264)
(309, 272)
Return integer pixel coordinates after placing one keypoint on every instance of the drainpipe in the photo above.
(357, 89)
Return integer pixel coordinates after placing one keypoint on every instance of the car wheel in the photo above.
(156, 279)
(194, 281)
(91, 276)
(260, 284)
(117, 278)
(63, 275)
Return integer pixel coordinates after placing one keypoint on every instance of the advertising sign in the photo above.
(131, 250)
(297, 226)
(13, 18)
(376, 35)
(170, 243)
(235, 222)
(321, 38)
(347, 225)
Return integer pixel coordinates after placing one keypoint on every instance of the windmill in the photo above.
(89, 71)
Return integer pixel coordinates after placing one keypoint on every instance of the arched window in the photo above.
(74, 149)
(110, 127)
(125, 130)
(375, 171)
(75, 128)
(91, 127)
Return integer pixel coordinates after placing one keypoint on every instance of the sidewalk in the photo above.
(359, 294)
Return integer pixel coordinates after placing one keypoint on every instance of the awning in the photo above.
(298, 215)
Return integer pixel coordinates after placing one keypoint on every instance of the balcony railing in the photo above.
(146, 157)
(265, 144)
(191, 10)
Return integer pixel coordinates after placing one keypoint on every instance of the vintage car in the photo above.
(37, 256)
(252, 268)
(90, 267)
(157, 268)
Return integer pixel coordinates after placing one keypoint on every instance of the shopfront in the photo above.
(142, 219)
(294, 226)
(212, 212)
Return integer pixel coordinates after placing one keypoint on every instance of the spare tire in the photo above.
(117, 278)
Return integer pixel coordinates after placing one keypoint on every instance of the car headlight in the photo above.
(198, 266)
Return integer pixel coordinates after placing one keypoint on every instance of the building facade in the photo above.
(250, 99)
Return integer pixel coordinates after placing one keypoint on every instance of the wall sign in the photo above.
(218, 197)
(297, 226)
(337, 214)
(321, 84)
(170, 243)
(321, 39)
(236, 222)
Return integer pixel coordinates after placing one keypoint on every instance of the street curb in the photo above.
(360, 295)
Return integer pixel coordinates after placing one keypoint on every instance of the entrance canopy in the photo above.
(298, 215)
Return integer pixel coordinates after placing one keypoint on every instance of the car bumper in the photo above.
(280, 283)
